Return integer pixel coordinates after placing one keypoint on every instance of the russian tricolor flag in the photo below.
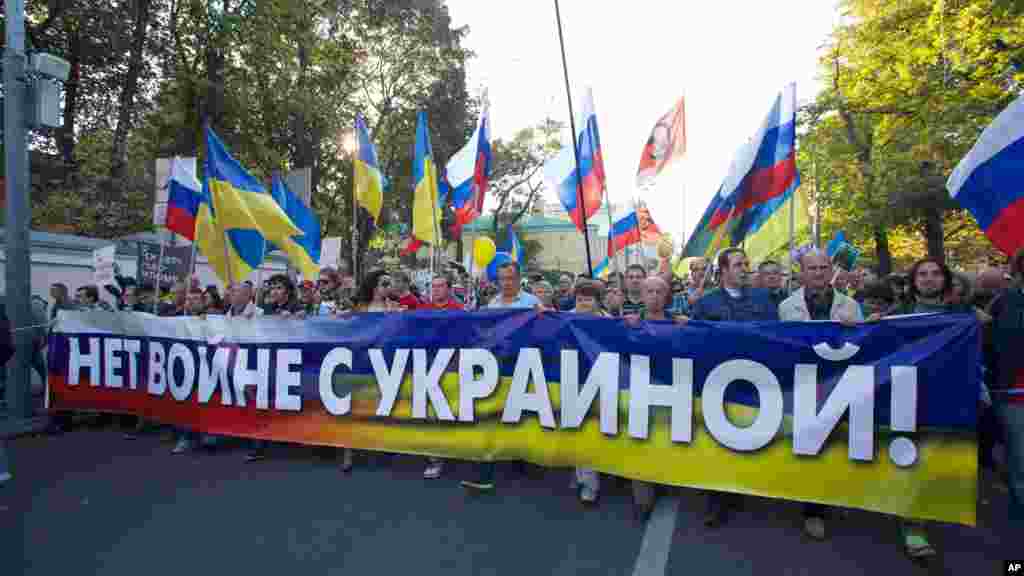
(989, 181)
(183, 197)
(560, 171)
(763, 174)
(624, 232)
(468, 173)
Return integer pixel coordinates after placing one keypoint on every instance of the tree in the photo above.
(516, 178)
(910, 85)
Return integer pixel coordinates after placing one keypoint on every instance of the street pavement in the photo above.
(91, 502)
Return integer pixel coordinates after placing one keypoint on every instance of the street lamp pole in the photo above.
(19, 310)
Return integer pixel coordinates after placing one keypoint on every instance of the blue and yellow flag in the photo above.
(303, 251)
(706, 241)
(236, 216)
(426, 216)
(777, 230)
(369, 182)
(513, 247)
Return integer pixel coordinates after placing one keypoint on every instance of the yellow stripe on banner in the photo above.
(941, 486)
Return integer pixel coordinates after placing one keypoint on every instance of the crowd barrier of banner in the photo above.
(879, 417)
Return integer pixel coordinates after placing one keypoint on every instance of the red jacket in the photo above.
(410, 301)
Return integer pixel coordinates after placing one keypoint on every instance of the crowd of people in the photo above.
(724, 290)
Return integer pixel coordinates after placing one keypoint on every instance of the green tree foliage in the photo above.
(280, 81)
(516, 177)
(909, 85)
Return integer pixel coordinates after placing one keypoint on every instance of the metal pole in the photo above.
(575, 146)
(19, 306)
(355, 219)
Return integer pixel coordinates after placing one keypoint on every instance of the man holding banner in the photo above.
(510, 297)
(440, 299)
(817, 301)
(735, 302)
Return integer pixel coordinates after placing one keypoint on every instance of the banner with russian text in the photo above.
(879, 417)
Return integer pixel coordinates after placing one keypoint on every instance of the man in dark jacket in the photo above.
(736, 301)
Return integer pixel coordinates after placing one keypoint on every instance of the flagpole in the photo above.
(614, 266)
(575, 146)
(792, 235)
(220, 225)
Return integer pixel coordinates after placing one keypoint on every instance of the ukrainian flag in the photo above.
(513, 247)
(369, 182)
(236, 216)
(706, 241)
(426, 216)
(303, 251)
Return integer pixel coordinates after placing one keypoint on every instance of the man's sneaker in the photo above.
(915, 542)
(477, 486)
(588, 495)
(814, 527)
(181, 446)
(433, 471)
(258, 454)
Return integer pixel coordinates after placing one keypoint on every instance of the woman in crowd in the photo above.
(587, 481)
(374, 293)
(281, 299)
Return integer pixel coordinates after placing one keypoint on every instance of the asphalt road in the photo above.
(90, 502)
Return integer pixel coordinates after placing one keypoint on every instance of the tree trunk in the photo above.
(119, 151)
(66, 135)
(882, 253)
(933, 232)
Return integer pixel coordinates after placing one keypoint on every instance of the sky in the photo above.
(730, 58)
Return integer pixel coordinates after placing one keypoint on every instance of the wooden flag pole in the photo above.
(575, 145)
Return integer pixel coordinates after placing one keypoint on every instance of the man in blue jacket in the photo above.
(736, 301)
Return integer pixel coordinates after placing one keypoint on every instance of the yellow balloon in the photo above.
(665, 246)
(483, 251)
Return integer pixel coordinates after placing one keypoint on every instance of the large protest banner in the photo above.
(879, 417)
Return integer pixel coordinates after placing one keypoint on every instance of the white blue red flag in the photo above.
(183, 197)
(468, 174)
(989, 181)
(763, 174)
(560, 172)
